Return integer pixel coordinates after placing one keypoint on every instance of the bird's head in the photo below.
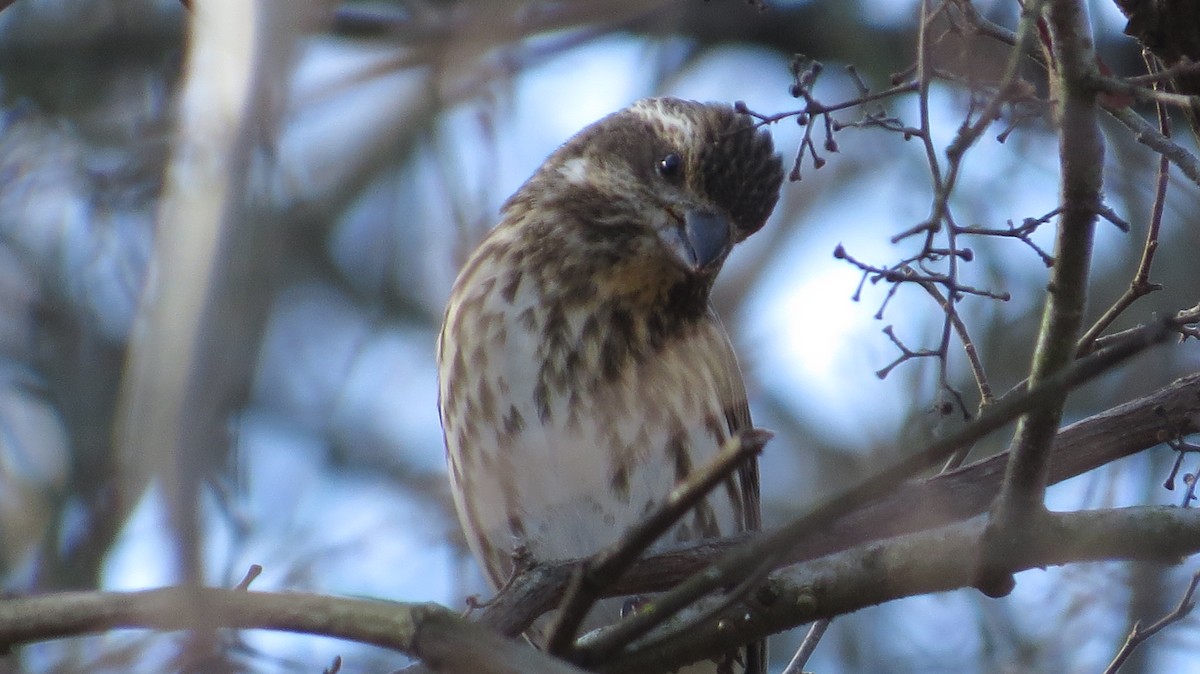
(658, 193)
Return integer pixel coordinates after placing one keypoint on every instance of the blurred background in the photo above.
(383, 138)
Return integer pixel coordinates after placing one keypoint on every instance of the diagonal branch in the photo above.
(772, 550)
(1138, 635)
(607, 567)
(930, 561)
(912, 506)
(1140, 286)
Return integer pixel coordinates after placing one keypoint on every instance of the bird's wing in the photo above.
(737, 415)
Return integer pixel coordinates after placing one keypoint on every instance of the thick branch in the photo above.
(1081, 151)
(931, 561)
(751, 562)
(426, 631)
(832, 585)
(915, 505)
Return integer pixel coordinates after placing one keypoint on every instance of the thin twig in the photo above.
(1140, 286)
(1146, 134)
(819, 108)
(941, 213)
(252, 574)
(922, 563)
(1116, 85)
(1143, 132)
(606, 567)
(771, 549)
(1182, 322)
(1184, 67)
(1021, 232)
(915, 505)
(981, 381)
(920, 268)
(1138, 635)
(903, 272)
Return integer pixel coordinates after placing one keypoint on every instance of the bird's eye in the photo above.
(670, 166)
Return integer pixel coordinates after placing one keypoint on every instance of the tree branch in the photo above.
(441, 638)
(1138, 635)
(755, 560)
(426, 631)
(922, 563)
(1146, 134)
(929, 561)
(607, 566)
(1081, 151)
(911, 506)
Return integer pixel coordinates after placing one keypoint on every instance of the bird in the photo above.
(582, 370)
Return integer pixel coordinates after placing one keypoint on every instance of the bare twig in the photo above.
(1022, 232)
(252, 573)
(928, 561)
(1142, 131)
(986, 396)
(905, 353)
(796, 664)
(1183, 322)
(1138, 635)
(819, 108)
(805, 72)
(914, 505)
(1140, 286)
(1143, 94)
(1146, 134)
(1160, 75)
(938, 231)
(941, 213)
(903, 272)
(606, 567)
(769, 551)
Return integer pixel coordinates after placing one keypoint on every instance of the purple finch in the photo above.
(582, 370)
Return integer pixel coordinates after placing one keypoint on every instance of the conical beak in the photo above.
(701, 241)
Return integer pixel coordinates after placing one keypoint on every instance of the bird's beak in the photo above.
(701, 240)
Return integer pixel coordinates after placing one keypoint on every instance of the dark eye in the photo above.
(670, 166)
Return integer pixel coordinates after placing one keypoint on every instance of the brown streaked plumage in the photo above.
(582, 371)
